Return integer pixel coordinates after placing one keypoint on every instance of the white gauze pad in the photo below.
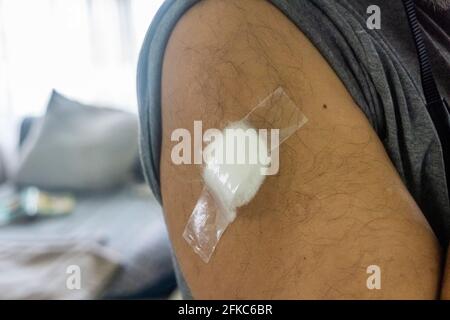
(235, 183)
(229, 185)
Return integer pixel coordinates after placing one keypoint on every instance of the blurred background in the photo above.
(76, 218)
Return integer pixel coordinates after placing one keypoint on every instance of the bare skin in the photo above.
(445, 293)
(337, 205)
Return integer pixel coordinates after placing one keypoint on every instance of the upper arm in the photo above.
(445, 291)
(337, 204)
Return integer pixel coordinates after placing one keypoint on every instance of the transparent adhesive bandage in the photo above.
(236, 162)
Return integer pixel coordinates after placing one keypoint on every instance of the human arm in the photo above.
(337, 205)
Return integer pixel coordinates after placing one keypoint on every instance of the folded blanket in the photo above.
(51, 268)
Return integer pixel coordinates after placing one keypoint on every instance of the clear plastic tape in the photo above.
(232, 181)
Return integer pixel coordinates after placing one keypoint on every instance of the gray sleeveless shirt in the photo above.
(378, 67)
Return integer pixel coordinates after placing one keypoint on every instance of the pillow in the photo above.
(76, 147)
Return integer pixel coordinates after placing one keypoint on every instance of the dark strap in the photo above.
(430, 89)
(437, 106)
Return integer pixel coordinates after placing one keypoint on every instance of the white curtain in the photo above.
(86, 49)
